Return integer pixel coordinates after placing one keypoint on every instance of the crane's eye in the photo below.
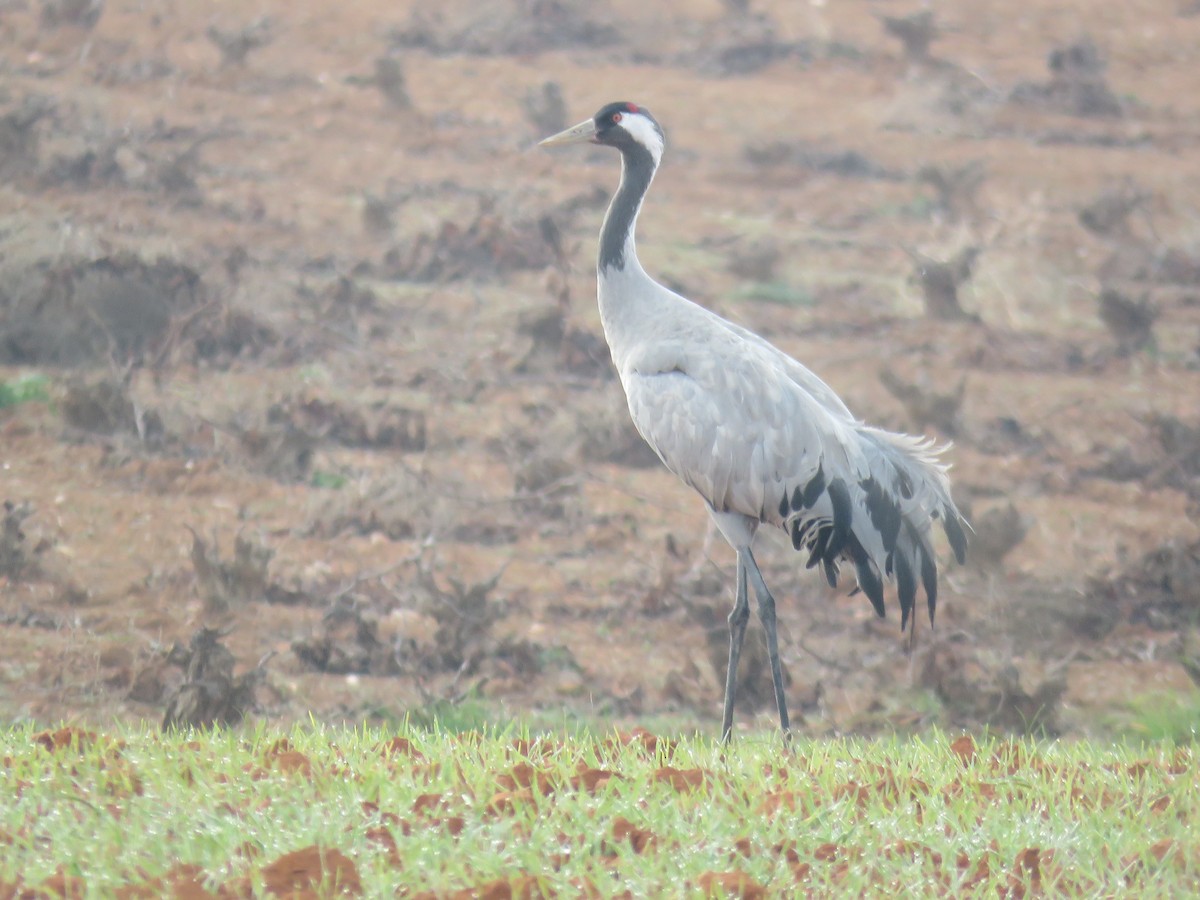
(616, 117)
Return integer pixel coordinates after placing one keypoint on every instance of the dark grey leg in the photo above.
(766, 613)
(738, 617)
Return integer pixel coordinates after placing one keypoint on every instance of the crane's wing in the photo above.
(754, 432)
(733, 425)
(805, 378)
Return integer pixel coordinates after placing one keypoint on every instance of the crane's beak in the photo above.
(582, 133)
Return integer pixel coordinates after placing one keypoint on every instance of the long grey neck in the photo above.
(616, 235)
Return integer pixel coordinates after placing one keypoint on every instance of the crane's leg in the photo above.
(738, 617)
(766, 613)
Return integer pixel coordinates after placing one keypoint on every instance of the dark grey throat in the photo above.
(637, 170)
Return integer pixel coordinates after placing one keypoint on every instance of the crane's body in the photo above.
(761, 438)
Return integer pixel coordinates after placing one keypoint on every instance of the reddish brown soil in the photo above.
(448, 321)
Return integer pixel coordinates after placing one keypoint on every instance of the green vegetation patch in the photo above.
(330, 812)
(25, 389)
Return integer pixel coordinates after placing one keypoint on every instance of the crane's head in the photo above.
(625, 126)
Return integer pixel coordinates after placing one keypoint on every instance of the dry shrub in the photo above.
(1077, 85)
(975, 695)
(998, 349)
(465, 642)
(487, 246)
(997, 532)
(1165, 454)
(70, 311)
(154, 65)
(734, 56)
(104, 405)
(511, 28)
(389, 78)
(235, 44)
(1107, 214)
(272, 446)
(557, 344)
(347, 641)
(438, 628)
(381, 426)
(99, 162)
(940, 281)
(607, 434)
(1162, 589)
(757, 261)
(547, 486)
(956, 187)
(804, 155)
(1156, 265)
(220, 334)
(926, 405)
(1006, 435)
(158, 161)
(28, 617)
(542, 455)
(545, 109)
(1179, 444)
(465, 615)
(25, 558)
(147, 679)
(1129, 321)
(378, 213)
(408, 503)
(210, 694)
(403, 505)
(229, 584)
(916, 32)
(15, 557)
(77, 13)
(19, 136)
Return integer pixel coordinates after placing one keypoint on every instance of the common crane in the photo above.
(761, 438)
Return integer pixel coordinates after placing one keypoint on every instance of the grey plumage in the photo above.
(761, 438)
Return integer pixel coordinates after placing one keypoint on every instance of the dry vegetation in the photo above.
(327, 424)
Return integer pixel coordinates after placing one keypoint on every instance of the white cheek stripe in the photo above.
(645, 133)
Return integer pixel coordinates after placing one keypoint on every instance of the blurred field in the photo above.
(304, 406)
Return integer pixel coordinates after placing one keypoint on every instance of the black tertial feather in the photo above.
(843, 515)
(906, 587)
(955, 534)
(831, 571)
(884, 512)
(929, 579)
(814, 488)
(868, 580)
(819, 544)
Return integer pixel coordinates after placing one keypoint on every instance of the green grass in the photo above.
(333, 481)
(26, 389)
(1169, 717)
(444, 812)
(778, 292)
